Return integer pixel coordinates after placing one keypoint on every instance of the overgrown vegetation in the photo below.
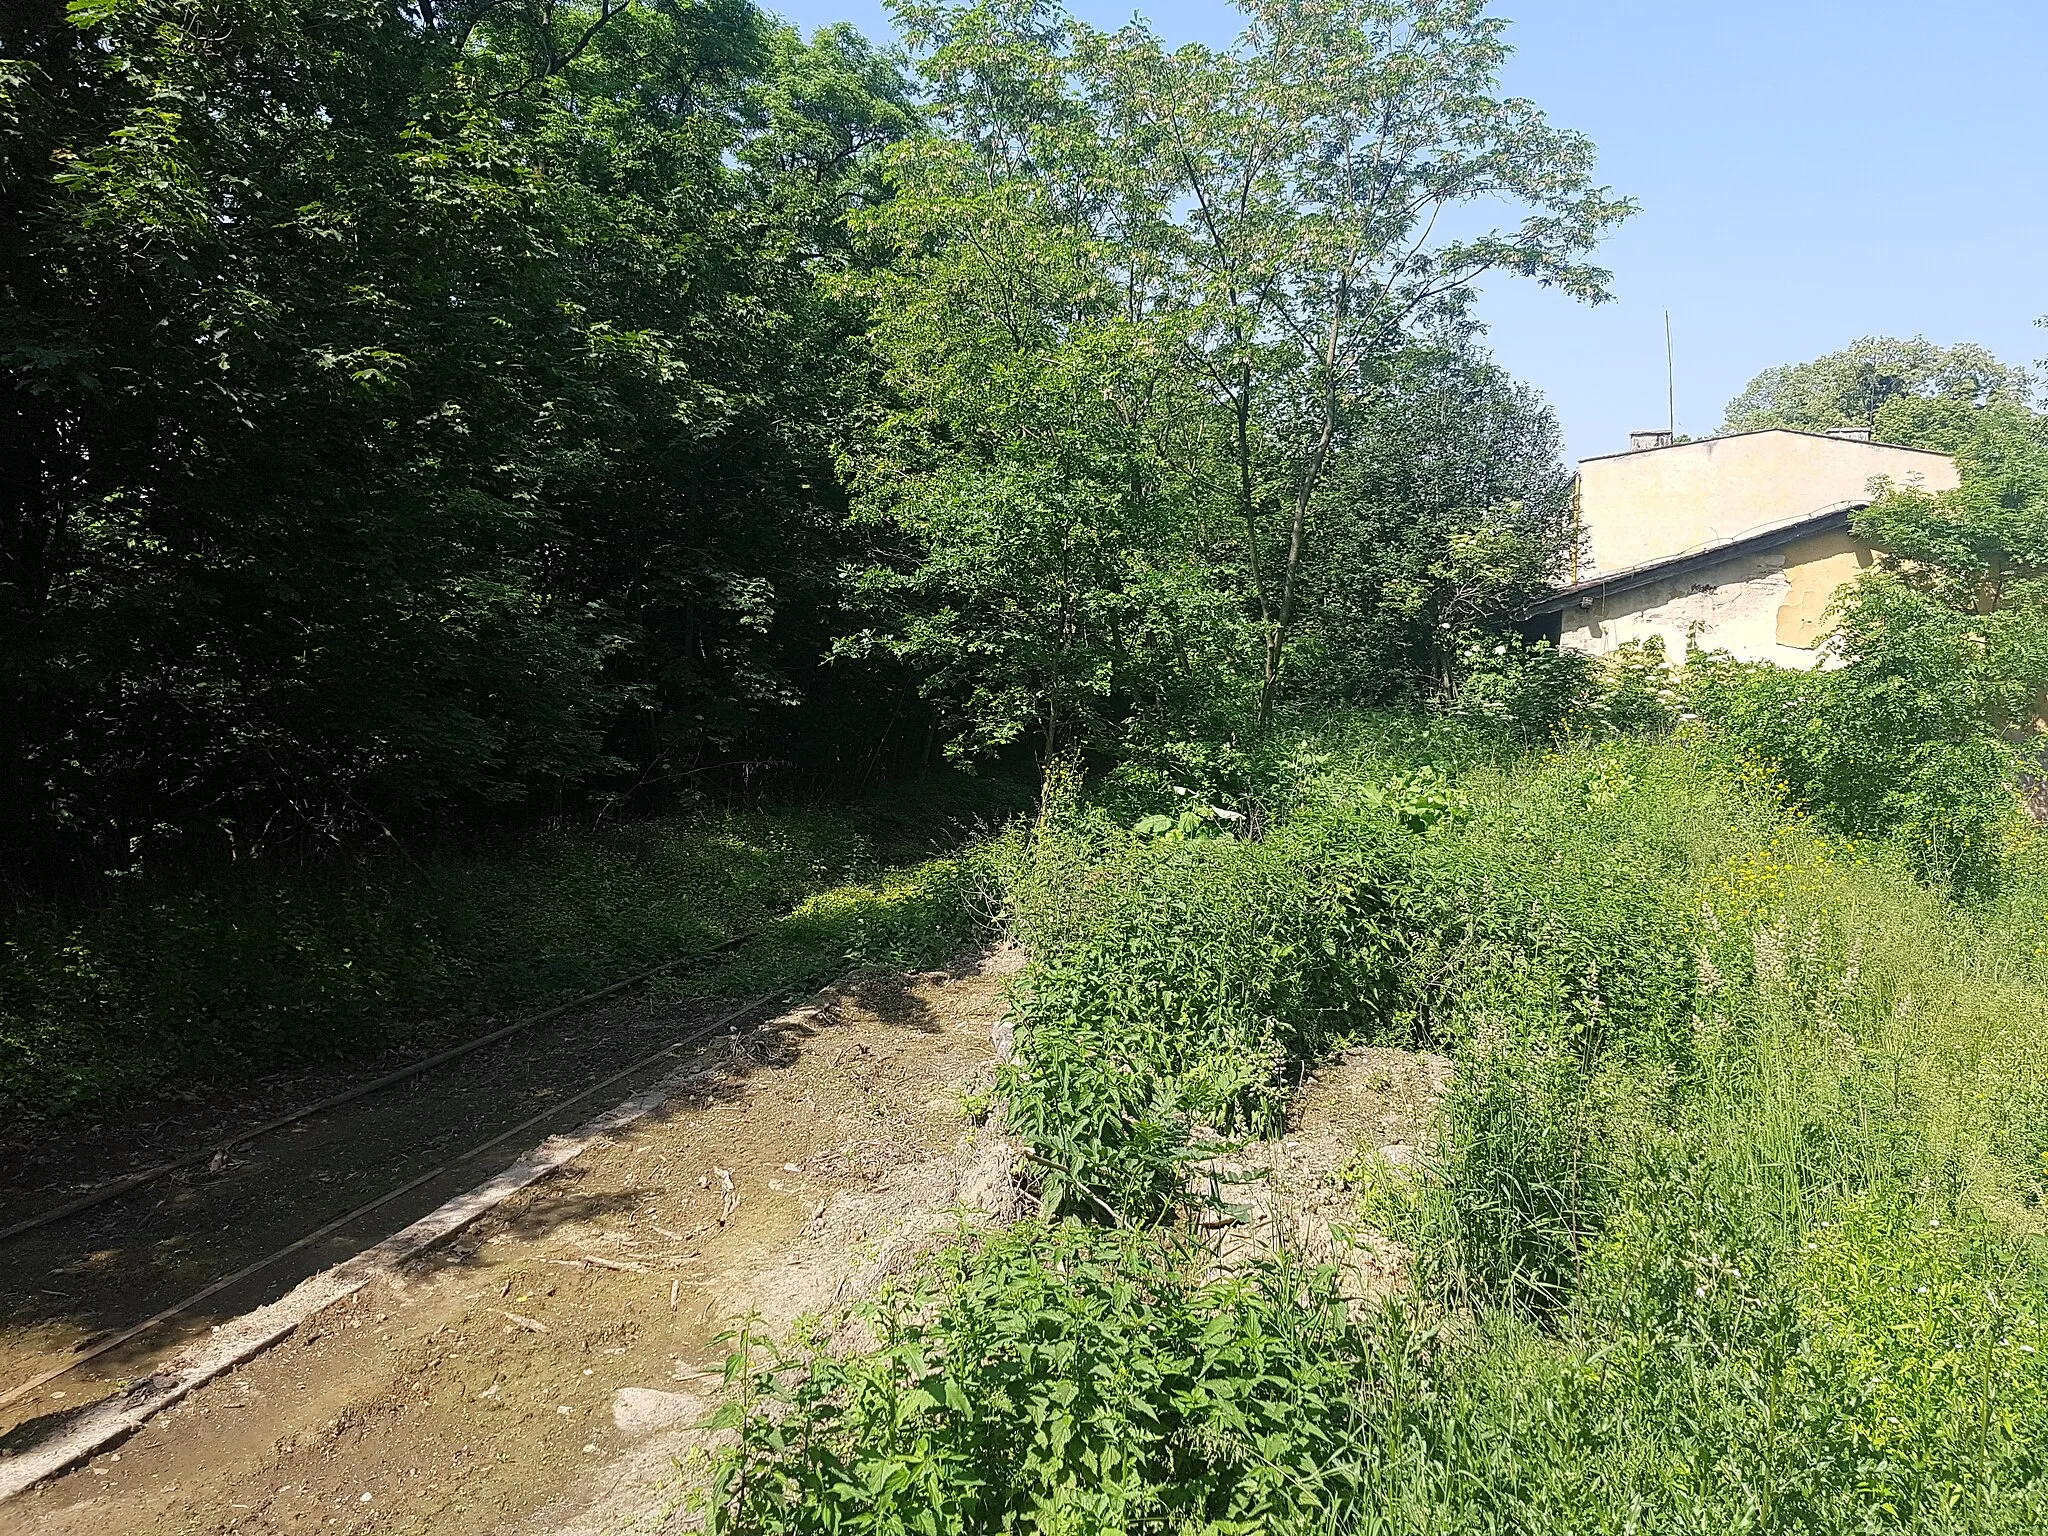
(463, 414)
(260, 969)
(1731, 1220)
(1733, 1215)
(413, 412)
(435, 422)
(1924, 726)
(507, 415)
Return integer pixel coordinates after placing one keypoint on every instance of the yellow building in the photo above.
(1734, 543)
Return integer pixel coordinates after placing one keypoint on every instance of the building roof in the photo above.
(1722, 437)
(1755, 541)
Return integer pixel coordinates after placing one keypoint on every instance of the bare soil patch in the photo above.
(89, 1276)
(541, 1372)
(1285, 1195)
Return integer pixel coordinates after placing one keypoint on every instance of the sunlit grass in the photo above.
(1732, 1222)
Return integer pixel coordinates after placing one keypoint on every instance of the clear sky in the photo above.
(1810, 171)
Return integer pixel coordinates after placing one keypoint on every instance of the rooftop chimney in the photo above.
(1850, 434)
(1639, 441)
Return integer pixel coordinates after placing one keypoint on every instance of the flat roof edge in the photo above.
(1729, 437)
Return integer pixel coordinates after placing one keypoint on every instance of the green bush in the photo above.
(1531, 694)
(1564, 906)
(1527, 693)
(1642, 692)
(1060, 1379)
(1177, 986)
(1899, 742)
(1172, 1000)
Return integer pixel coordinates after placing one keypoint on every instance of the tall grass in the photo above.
(1732, 1220)
(242, 972)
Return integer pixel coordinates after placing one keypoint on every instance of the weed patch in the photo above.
(1060, 1377)
(251, 972)
(1730, 1219)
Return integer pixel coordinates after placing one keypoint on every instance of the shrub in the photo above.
(1527, 694)
(1897, 742)
(1641, 690)
(1176, 987)
(1725, 1226)
(1172, 998)
(1563, 905)
(1057, 1379)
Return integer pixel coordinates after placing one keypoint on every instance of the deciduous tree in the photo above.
(1334, 183)
(1853, 387)
(1141, 302)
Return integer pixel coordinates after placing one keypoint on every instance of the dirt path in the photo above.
(95, 1274)
(539, 1373)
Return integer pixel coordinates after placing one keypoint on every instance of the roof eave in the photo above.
(1616, 582)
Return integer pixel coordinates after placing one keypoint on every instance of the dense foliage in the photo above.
(419, 412)
(1924, 726)
(410, 408)
(1859, 385)
(1450, 506)
(1718, 1230)
(443, 412)
(1171, 334)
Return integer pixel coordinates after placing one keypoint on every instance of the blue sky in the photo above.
(1810, 171)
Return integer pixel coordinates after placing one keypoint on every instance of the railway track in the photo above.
(99, 1289)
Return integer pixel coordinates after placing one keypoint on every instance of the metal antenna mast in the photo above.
(1670, 382)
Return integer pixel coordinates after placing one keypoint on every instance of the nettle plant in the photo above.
(1193, 823)
(1421, 800)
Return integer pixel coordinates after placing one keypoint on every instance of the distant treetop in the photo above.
(1851, 387)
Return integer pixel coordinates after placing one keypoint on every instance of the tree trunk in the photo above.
(1247, 494)
(1305, 495)
(1276, 631)
(1311, 482)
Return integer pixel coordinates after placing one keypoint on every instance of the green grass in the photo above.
(1733, 1219)
(246, 972)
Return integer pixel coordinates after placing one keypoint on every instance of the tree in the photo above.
(1965, 545)
(709, 528)
(410, 410)
(1448, 506)
(274, 369)
(1039, 532)
(1178, 280)
(1341, 178)
(1853, 387)
(1926, 717)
